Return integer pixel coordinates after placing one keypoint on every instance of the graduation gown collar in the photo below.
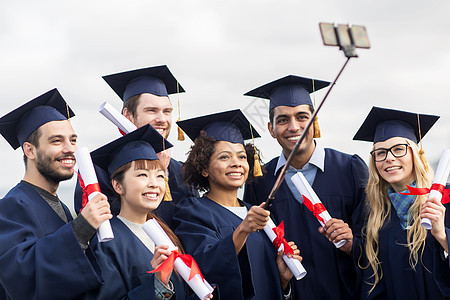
(317, 159)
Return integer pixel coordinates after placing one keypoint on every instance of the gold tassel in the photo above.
(424, 159)
(316, 128)
(257, 172)
(316, 120)
(167, 195)
(180, 132)
(421, 151)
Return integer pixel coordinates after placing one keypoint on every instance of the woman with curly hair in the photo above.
(221, 232)
(401, 259)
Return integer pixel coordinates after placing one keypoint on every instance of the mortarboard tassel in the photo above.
(180, 131)
(316, 128)
(316, 120)
(167, 194)
(257, 172)
(421, 151)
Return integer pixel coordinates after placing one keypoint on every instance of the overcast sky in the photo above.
(218, 50)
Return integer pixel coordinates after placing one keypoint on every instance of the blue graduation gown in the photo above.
(341, 188)
(40, 257)
(205, 229)
(125, 261)
(431, 280)
(178, 189)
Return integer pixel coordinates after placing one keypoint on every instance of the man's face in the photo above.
(288, 125)
(153, 110)
(55, 154)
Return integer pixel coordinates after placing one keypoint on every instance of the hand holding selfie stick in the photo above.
(91, 188)
(348, 39)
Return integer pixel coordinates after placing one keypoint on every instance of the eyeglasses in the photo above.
(398, 150)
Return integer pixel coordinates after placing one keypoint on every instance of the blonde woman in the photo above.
(399, 258)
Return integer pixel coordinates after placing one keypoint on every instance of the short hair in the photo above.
(33, 139)
(272, 113)
(199, 157)
(131, 104)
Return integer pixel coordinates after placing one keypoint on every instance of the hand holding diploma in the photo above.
(90, 191)
(437, 189)
(276, 236)
(184, 264)
(313, 203)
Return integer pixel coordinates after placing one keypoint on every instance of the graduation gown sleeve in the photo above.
(39, 254)
(206, 231)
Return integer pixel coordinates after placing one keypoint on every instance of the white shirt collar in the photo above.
(317, 158)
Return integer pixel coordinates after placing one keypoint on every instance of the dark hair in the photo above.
(33, 139)
(131, 104)
(198, 160)
(118, 175)
(272, 113)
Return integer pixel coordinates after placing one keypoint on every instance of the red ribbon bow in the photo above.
(87, 190)
(435, 186)
(279, 239)
(167, 266)
(316, 209)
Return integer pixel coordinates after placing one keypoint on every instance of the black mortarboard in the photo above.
(383, 123)
(158, 81)
(231, 126)
(17, 125)
(142, 143)
(288, 91)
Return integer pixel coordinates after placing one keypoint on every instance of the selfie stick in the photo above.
(345, 38)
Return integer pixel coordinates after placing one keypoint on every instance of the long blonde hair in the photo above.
(379, 207)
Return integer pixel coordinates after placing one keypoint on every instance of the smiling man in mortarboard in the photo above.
(338, 179)
(44, 253)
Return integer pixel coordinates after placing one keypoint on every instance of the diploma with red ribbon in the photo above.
(183, 263)
(125, 126)
(313, 203)
(91, 188)
(437, 190)
(276, 236)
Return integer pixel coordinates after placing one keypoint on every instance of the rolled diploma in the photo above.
(441, 176)
(294, 265)
(116, 118)
(200, 287)
(87, 173)
(304, 188)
